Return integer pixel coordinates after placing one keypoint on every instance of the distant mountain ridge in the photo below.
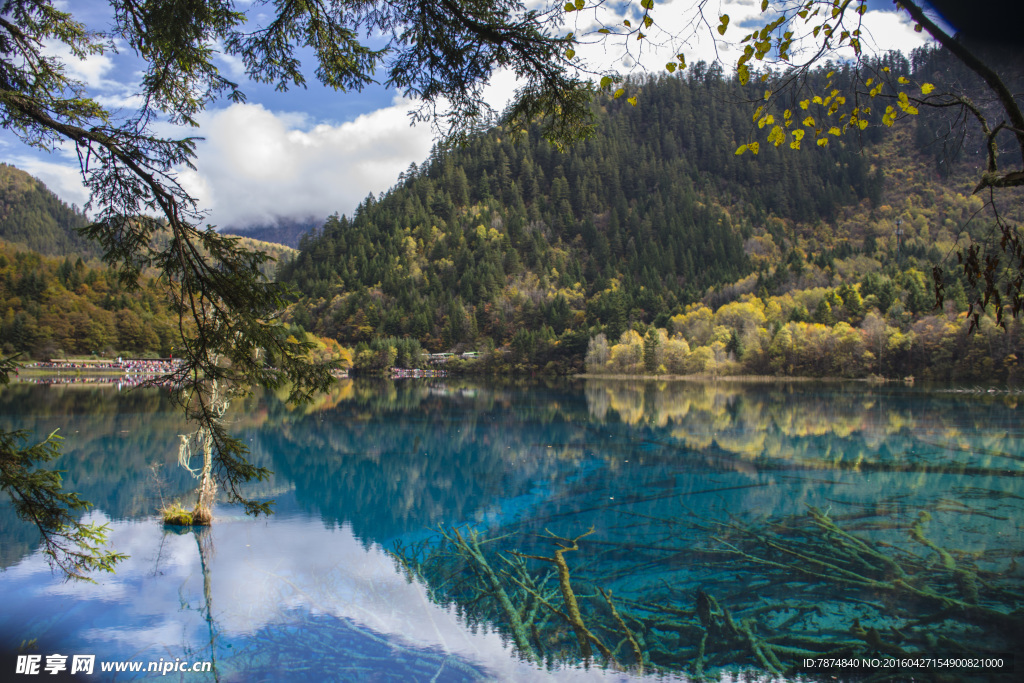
(33, 217)
(286, 231)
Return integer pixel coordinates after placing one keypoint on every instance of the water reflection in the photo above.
(697, 528)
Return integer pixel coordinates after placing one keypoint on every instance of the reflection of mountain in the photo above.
(395, 458)
(399, 458)
(690, 489)
(820, 426)
(111, 440)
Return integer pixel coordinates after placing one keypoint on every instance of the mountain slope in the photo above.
(34, 217)
(501, 235)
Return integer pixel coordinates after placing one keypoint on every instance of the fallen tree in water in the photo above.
(756, 597)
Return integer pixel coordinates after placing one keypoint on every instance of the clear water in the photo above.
(725, 530)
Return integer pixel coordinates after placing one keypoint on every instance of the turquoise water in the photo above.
(442, 530)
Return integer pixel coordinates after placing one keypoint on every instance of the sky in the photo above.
(307, 153)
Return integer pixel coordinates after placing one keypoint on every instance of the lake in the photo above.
(449, 530)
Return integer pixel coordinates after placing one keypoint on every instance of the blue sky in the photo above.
(309, 152)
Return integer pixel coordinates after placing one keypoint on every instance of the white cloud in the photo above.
(124, 100)
(256, 165)
(91, 70)
(893, 31)
(234, 65)
(62, 179)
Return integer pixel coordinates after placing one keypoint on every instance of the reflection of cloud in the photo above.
(261, 575)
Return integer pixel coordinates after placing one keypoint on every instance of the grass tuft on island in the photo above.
(176, 515)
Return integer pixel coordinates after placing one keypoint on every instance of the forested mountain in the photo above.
(507, 242)
(33, 216)
(50, 307)
(653, 231)
(57, 298)
(503, 235)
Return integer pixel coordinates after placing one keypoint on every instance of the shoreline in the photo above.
(763, 379)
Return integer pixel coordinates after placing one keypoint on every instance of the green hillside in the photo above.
(57, 298)
(652, 240)
(509, 243)
(34, 217)
(504, 235)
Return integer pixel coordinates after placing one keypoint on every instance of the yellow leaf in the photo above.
(648, 21)
(903, 79)
(569, 7)
(632, 100)
(804, 104)
(764, 5)
(767, 94)
(869, 81)
(885, 69)
(740, 150)
(625, 22)
(833, 130)
(822, 142)
(863, 124)
(918, 27)
(724, 25)
(754, 147)
(671, 66)
(798, 134)
(926, 88)
(787, 114)
(605, 82)
(570, 53)
(795, 144)
(743, 74)
(580, 3)
(619, 93)
(809, 122)
(817, 99)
